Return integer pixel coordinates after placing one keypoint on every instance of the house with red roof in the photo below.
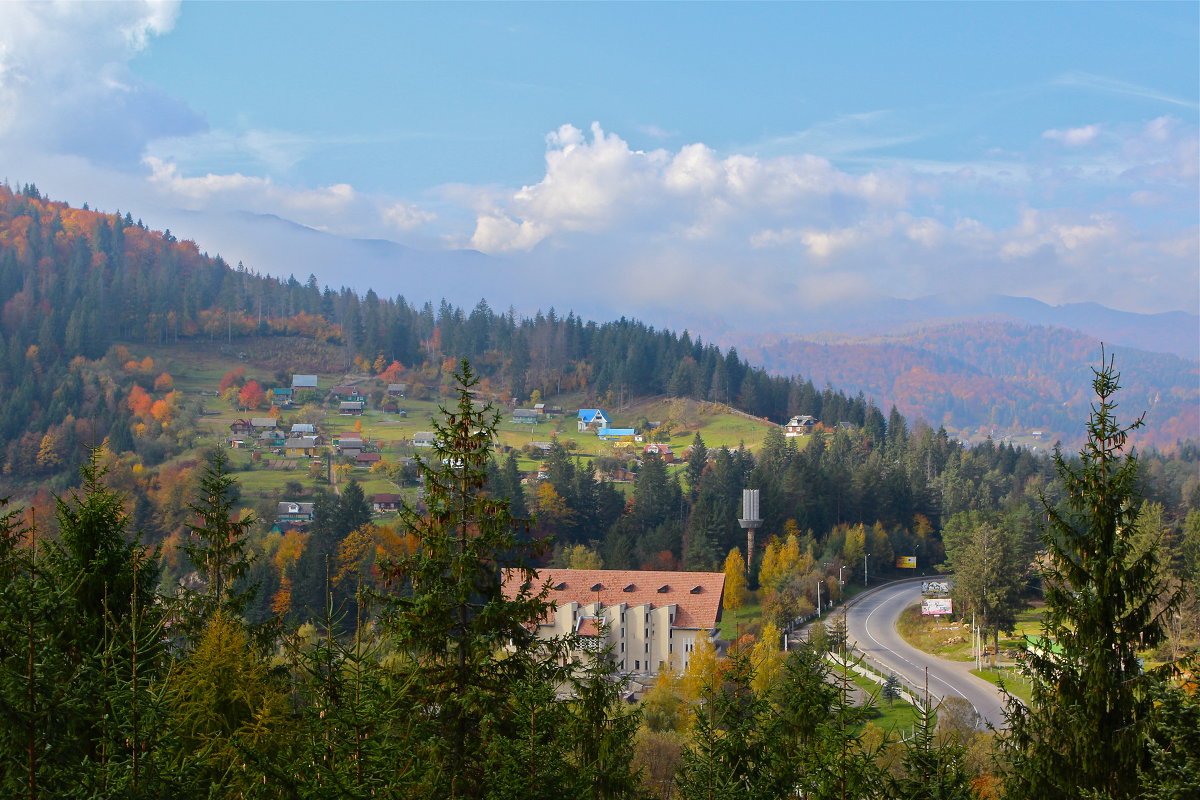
(650, 620)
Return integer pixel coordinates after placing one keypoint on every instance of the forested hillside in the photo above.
(75, 282)
(995, 379)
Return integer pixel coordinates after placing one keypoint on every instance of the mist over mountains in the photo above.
(273, 245)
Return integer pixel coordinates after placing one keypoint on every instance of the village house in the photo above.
(304, 382)
(348, 446)
(301, 446)
(592, 419)
(615, 434)
(303, 429)
(351, 407)
(423, 439)
(288, 511)
(240, 426)
(367, 459)
(397, 389)
(345, 392)
(649, 620)
(663, 451)
(524, 416)
(800, 425)
(386, 502)
(281, 396)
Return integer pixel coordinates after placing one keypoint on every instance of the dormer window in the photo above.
(697, 589)
(558, 587)
(629, 588)
(596, 587)
(664, 588)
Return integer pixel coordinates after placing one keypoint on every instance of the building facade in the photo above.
(649, 620)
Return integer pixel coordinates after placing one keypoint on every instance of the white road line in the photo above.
(919, 668)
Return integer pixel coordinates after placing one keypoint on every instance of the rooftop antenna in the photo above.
(751, 521)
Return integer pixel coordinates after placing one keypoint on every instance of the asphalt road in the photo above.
(871, 627)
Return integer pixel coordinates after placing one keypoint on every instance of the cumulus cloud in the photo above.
(65, 85)
(600, 183)
(789, 231)
(1074, 137)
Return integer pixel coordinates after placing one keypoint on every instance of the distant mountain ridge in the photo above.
(993, 378)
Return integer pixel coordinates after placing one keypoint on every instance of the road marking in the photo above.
(867, 631)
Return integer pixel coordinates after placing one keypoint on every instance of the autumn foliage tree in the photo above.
(251, 395)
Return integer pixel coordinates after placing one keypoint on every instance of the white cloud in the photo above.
(1074, 137)
(797, 228)
(598, 184)
(64, 82)
(337, 208)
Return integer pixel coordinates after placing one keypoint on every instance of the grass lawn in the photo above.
(935, 636)
(894, 716)
(952, 640)
(751, 613)
(1014, 682)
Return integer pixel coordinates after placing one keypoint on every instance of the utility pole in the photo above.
(819, 597)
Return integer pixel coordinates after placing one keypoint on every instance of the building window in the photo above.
(637, 665)
(622, 647)
(647, 647)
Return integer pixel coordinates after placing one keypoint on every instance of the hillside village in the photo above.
(361, 427)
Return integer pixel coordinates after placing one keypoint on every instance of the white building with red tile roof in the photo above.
(649, 619)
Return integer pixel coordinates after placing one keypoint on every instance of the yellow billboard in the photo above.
(906, 562)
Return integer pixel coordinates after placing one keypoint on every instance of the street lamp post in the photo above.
(866, 556)
(818, 597)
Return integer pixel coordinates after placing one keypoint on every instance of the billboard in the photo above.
(906, 562)
(935, 587)
(938, 606)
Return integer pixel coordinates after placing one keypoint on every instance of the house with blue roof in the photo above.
(613, 434)
(592, 419)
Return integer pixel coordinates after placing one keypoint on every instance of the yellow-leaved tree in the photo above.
(703, 668)
(735, 581)
(767, 658)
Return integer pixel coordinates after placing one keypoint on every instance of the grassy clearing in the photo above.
(896, 715)
(746, 616)
(1014, 681)
(953, 639)
(934, 636)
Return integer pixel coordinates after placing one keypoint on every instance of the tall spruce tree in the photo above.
(218, 547)
(1084, 733)
(464, 645)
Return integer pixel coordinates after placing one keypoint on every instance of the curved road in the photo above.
(871, 627)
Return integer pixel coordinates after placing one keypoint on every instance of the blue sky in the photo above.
(825, 150)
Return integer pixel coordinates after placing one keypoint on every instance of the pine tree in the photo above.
(464, 644)
(727, 758)
(218, 547)
(930, 771)
(696, 462)
(1085, 729)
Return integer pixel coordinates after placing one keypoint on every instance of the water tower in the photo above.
(751, 521)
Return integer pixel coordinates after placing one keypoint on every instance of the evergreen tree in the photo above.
(464, 644)
(727, 755)
(1084, 732)
(218, 547)
(696, 462)
(930, 771)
